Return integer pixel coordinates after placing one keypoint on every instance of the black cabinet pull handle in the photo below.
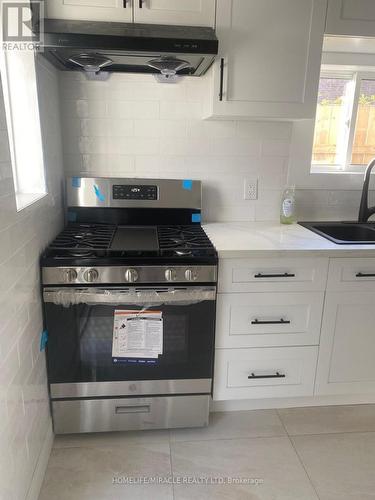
(365, 275)
(276, 375)
(282, 275)
(282, 321)
(124, 3)
(140, 4)
(221, 91)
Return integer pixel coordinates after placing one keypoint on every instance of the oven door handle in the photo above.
(97, 296)
(120, 410)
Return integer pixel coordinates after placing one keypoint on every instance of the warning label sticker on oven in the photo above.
(137, 335)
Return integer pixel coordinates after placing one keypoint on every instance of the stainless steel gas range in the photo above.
(129, 290)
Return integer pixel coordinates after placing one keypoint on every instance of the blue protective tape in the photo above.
(196, 217)
(187, 184)
(43, 340)
(76, 182)
(72, 216)
(98, 194)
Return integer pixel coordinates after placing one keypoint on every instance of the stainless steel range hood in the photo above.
(95, 47)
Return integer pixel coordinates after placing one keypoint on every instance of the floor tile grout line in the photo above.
(332, 433)
(238, 438)
(304, 468)
(297, 454)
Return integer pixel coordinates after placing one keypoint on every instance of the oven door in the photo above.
(80, 325)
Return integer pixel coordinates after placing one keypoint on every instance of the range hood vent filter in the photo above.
(168, 66)
(91, 63)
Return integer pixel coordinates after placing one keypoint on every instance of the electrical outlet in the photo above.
(251, 188)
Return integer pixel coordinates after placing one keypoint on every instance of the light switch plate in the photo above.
(251, 188)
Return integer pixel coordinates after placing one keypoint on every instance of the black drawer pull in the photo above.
(276, 375)
(124, 3)
(140, 4)
(221, 90)
(281, 321)
(365, 275)
(282, 275)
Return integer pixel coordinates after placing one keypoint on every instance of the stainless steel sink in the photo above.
(344, 233)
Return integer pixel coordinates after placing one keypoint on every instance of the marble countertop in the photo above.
(265, 239)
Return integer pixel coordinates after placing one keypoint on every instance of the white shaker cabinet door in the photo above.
(178, 12)
(351, 18)
(347, 344)
(91, 10)
(269, 59)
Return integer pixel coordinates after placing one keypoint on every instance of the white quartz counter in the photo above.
(262, 239)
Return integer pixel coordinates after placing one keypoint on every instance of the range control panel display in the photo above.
(126, 192)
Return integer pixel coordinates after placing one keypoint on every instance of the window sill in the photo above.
(332, 170)
(24, 200)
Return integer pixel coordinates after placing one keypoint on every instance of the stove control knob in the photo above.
(131, 275)
(68, 275)
(91, 275)
(170, 274)
(191, 275)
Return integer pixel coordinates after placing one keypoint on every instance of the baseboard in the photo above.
(262, 404)
(41, 466)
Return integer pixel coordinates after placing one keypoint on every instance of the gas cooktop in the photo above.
(111, 244)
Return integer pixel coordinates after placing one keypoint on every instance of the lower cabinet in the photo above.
(347, 347)
(264, 372)
(314, 336)
(268, 319)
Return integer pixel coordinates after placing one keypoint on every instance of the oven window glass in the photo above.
(80, 343)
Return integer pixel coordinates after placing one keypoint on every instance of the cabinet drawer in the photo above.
(103, 415)
(272, 275)
(351, 274)
(264, 373)
(268, 319)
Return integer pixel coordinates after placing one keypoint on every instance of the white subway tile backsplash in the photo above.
(133, 109)
(84, 109)
(160, 128)
(275, 147)
(181, 110)
(131, 125)
(228, 213)
(235, 147)
(100, 165)
(133, 145)
(24, 400)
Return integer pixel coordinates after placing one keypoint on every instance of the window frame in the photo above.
(23, 198)
(302, 172)
(356, 77)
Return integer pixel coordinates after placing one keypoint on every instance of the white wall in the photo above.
(24, 410)
(134, 126)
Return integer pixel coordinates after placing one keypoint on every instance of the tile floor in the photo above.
(325, 453)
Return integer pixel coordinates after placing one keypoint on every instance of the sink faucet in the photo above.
(364, 210)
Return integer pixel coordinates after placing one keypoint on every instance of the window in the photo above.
(344, 135)
(18, 76)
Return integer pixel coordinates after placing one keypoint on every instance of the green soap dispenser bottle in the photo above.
(288, 206)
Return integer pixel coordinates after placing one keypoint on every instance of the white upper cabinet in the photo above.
(351, 18)
(269, 58)
(91, 10)
(180, 12)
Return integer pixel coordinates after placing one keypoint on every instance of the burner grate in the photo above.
(183, 238)
(84, 237)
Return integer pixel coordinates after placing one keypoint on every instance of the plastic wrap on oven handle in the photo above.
(72, 296)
